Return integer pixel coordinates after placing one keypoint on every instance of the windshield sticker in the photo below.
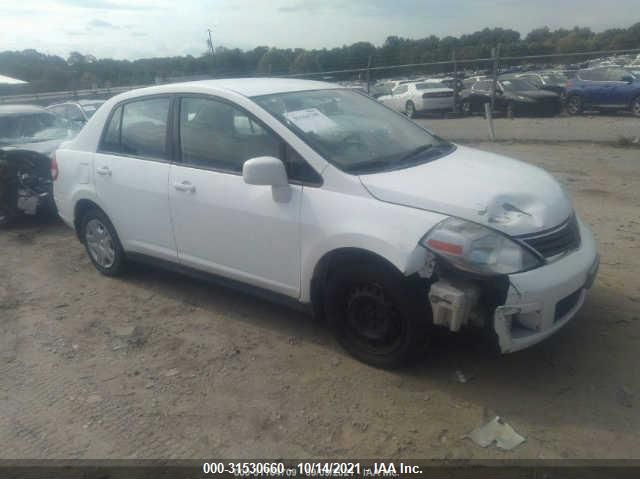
(310, 120)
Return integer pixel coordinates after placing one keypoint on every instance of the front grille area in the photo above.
(567, 304)
(561, 239)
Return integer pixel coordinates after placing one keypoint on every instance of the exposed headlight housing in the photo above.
(477, 249)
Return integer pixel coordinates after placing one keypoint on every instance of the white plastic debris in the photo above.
(461, 377)
(496, 431)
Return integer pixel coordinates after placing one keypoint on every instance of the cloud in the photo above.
(96, 23)
(106, 5)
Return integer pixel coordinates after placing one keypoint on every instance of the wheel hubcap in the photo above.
(372, 319)
(100, 243)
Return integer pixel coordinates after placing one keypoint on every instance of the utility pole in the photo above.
(369, 74)
(210, 41)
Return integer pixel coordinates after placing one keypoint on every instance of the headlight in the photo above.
(475, 248)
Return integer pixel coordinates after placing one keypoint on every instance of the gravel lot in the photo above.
(598, 128)
(158, 365)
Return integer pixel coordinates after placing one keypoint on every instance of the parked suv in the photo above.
(321, 195)
(603, 89)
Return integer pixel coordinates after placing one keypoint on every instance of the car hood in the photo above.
(45, 148)
(493, 190)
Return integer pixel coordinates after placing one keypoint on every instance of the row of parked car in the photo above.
(29, 135)
(519, 93)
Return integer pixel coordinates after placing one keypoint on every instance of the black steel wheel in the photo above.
(379, 316)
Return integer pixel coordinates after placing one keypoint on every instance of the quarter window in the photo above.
(215, 134)
(111, 138)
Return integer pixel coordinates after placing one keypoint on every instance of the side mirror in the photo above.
(264, 170)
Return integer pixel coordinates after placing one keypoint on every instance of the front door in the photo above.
(223, 225)
(131, 174)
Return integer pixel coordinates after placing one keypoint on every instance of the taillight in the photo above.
(54, 167)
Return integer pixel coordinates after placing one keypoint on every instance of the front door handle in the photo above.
(185, 186)
(104, 171)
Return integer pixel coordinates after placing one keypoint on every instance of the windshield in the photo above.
(517, 84)
(29, 128)
(354, 132)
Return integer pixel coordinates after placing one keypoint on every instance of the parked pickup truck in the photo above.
(320, 196)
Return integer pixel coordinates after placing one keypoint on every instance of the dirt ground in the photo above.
(159, 365)
(600, 128)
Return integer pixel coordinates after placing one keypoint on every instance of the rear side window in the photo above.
(138, 128)
(144, 128)
(593, 75)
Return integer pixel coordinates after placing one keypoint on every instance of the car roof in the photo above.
(247, 87)
(21, 109)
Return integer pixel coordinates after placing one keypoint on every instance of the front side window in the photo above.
(144, 128)
(215, 134)
(352, 131)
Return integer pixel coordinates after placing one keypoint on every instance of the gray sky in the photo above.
(144, 28)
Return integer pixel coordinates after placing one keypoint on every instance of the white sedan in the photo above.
(419, 97)
(319, 196)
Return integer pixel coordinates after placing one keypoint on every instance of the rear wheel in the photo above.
(410, 109)
(574, 105)
(635, 106)
(377, 315)
(102, 244)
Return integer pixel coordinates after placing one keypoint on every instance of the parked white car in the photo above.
(76, 112)
(414, 98)
(321, 195)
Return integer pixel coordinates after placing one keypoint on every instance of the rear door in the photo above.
(223, 225)
(131, 174)
(621, 91)
(595, 88)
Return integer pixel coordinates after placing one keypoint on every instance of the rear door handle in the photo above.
(104, 171)
(185, 186)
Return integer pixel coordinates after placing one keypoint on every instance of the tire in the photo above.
(573, 105)
(410, 110)
(102, 243)
(379, 316)
(635, 106)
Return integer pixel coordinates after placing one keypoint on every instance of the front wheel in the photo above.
(102, 244)
(574, 105)
(410, 109)
(377, 314)
(635, 106)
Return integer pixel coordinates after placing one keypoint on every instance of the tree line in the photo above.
(80, 71)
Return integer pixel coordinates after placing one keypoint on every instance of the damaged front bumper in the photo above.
(541, 301)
